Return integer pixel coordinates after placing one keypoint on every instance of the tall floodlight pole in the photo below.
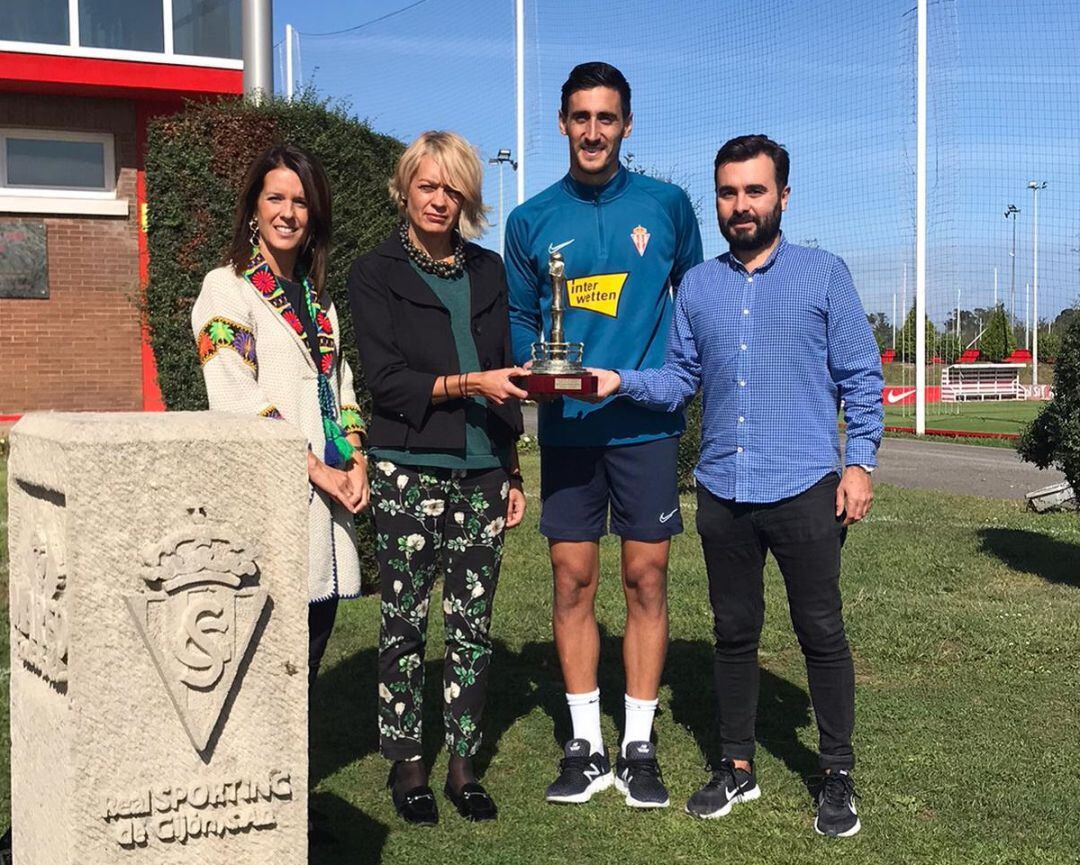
(920, 226)
(1035, 186)
(519, 23)
(1010, 213)
(289, 75)
(257, 26)
(903, 310)
(1027, 315)
(502, 158)
(894, 321)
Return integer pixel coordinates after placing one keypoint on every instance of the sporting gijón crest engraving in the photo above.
(200, 618)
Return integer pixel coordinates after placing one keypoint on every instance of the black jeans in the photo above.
(805, 537)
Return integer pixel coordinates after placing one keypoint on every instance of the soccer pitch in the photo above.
(1010, 416)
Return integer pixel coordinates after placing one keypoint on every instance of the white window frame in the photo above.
(74, 49)
(104, 138)
(63, 200)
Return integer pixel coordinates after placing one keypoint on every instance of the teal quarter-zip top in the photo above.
(626, 245)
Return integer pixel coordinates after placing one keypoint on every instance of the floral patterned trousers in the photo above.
(432, 522)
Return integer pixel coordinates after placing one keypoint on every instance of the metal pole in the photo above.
(257, 23)
(289, 76)
(1027, 315)
(995, 288)
(519, 20)
(502, 224)
(894, 321)
(1035, 187)
(920, 227)
(903, 307)
(1012, 258)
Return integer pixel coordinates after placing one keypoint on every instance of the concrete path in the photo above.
(970, 470)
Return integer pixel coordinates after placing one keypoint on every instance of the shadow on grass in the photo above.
(1033, 553)
(357, 838)
(783, 709)
(344, 726)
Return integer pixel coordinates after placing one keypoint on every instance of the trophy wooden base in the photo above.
(551, 385)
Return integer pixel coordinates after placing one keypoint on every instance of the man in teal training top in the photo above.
(627, 239)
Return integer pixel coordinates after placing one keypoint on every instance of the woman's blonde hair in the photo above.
(461, 170)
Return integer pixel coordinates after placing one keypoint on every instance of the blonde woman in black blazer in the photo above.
(432, 328)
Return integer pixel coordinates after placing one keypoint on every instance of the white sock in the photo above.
(639, 718)
(585, 718)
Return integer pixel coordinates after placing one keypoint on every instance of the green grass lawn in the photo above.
(998, 417)
(964, 616)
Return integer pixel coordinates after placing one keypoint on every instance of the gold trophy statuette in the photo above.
(557, 369)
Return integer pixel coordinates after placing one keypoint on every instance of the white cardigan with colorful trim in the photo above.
(254, 362)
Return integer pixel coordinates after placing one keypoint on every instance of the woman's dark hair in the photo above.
(586, 76)
(746, 147)
(316, 249)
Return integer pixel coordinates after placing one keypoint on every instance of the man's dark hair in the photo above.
(586, 76)
(746, 147)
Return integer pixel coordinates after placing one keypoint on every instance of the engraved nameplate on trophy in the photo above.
(557, 368)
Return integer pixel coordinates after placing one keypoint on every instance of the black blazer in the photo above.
(405, 343)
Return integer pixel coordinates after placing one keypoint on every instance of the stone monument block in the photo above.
(158, 601)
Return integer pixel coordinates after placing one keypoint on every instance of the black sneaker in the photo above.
(836, 813)
(638, 776)
(581, 774)
(727, 786)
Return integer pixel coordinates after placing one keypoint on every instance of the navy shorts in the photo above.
(637, 481)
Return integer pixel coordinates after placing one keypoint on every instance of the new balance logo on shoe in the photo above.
(581, 774)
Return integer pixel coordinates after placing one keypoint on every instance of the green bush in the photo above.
(1053, 438)
(196, 161)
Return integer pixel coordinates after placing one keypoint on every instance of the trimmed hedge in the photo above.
(195, 163)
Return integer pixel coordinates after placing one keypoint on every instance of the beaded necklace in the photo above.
(441, 269)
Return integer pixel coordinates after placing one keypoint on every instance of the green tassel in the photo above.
(338, 448)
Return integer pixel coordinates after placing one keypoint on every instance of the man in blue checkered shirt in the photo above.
(776, 339)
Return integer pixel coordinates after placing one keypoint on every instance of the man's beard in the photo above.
(765, 232)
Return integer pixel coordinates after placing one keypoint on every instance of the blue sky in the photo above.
(831, 79)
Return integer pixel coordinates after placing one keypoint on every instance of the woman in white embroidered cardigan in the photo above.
(269, 344)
